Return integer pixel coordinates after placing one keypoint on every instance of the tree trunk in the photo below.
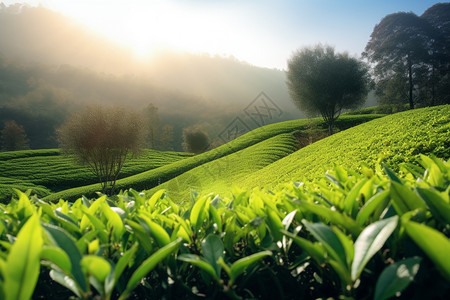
(411, 102)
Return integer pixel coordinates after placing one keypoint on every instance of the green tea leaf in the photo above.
(199, 262)
(438, 206)
(197, 213)
(371, 205)
(333, 216)
(239, 266)
(404, 199)
(23, 264)
(148, 265)
(275, 224)
(115, 221)
(352, 196)
(65, 241)
(315, 250)
(58, 257)
(434, 243)
(329, 240)
(65, 281)
(371, 239)
(212, 249)
(215, 217)
(159, 233)
(124, 260)
(96, 266)
(156, 196)
(396, 277)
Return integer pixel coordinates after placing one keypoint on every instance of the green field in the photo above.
(235, 222)
(154, 177)
(49, 171)
(393, 139)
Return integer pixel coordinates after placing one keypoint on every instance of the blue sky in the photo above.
(261, 32)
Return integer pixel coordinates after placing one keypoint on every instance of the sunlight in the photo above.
(153, 26)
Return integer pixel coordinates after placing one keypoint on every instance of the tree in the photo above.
(102, 138)
(14, 137)
(322, 81)
(195, 140)
(438, 16)
(406, 46)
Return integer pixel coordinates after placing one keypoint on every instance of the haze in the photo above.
(262, 33)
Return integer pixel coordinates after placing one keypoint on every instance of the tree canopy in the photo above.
(414, 53)
(324, 82)
(102, 138)
(13, 137)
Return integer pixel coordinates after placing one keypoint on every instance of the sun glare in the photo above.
(153, 26)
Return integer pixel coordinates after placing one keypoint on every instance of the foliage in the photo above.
(353, 235)
(322, 81)
(388, 139)
(13, 137)
(46, 171)
(220, 174)
(154, 177)
(102, 138)
(195, 140)
(385, 109)
(159, 137)
(411, 58)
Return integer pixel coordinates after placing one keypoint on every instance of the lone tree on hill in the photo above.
(13, 137)
(325, 82)
(102, 138)
(195, 140)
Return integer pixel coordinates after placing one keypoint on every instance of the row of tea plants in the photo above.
(371, 234)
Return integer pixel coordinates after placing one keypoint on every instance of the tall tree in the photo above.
(102, 138)
(13, 137)
(400, 46)
(322, 81)
(438, 16)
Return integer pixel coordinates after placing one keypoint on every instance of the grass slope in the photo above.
(219, 175)
(395, 139)
(47, 171)
(154, 177)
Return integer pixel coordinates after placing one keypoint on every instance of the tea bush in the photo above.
(372, 234)
(154, 177)
(54, 172)
(394, 139)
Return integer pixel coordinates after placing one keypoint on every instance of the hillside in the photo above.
(49, 171)
(393, 139)
(154, 177)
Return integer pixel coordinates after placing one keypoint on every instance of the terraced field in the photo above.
(219, 175)
(386, 139)
(153, 177)
(47, 171)
(393, 139)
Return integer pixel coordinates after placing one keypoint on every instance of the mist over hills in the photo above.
(50, 65)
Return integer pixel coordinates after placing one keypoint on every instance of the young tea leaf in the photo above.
(396, 277)
(212, 249)
(434, 243)
(371, 239)
(148, 265)
(239, 266)
(23, 264)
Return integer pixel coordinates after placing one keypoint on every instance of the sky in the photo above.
(261, 32)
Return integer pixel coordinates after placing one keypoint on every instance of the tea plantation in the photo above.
(362, 214)
(392, 139)
(47, 171)
(154, 177)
